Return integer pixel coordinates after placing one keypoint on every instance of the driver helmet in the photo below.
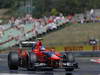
(42, 48)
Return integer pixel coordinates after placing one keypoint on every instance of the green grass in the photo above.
(72, 35)
(75, 34)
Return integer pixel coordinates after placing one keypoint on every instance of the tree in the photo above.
(54, 12)
(45, 6)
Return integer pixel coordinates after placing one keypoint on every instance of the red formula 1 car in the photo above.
(40, 58)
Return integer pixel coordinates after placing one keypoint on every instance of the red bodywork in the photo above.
(40, 54)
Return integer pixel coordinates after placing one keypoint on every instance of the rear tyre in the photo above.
(68, 57)
(13, 61)
(48, 69)
(76, 65)
(69, 69)
(71, 57)
(32, 59)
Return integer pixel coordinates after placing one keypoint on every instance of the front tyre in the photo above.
(13, 61)
(32, 59)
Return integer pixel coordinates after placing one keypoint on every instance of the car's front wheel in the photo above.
(13, 60)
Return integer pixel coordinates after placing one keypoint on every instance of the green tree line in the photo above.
(46, 7)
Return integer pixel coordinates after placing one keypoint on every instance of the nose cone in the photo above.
(54, 57)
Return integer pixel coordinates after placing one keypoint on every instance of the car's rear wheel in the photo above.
(69, 69)
(32, 59)
(68, 57)
(48, 69)
(13, 61)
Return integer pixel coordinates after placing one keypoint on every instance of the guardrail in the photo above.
(77, 48)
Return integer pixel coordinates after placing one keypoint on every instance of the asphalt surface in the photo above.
(86, 68)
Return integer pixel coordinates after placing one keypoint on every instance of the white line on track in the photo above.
(14, 74)
(95, 60)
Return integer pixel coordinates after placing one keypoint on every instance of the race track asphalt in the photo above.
(86, 68)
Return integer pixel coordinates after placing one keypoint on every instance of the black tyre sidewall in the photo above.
(13, 60)
(32, 59)
(68, 57)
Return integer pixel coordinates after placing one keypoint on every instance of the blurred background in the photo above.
(60, 23)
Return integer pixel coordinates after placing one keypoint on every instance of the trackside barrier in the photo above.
(95, 48)
(77, 48)
(87, 48)
(73, 48)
